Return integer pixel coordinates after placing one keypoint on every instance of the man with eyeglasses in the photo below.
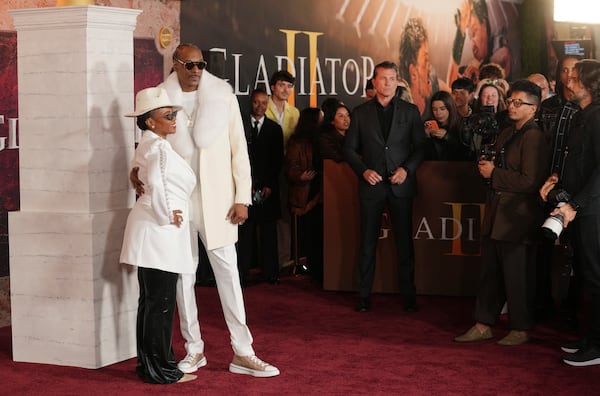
(512, 221)
(210, 137)
(580, 179)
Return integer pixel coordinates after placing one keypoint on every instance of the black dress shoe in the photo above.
(410, 304)
(364, 304)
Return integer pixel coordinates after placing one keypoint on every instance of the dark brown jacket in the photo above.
(331, 144)
(513, 212)
(300, 158)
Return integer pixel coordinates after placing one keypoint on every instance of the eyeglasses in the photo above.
(170, 116)
(189, 65)
(517, 103)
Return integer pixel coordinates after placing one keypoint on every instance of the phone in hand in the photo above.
(432, 124)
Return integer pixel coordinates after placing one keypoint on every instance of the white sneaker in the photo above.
(192, 362)
(252, 365)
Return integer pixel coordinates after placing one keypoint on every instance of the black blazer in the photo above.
(266, 159)
(365, 147)
(581, 176)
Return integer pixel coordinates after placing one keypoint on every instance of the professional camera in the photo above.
(487, 151)
(480, 131)
(553, 225)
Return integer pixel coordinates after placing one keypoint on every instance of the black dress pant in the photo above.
(544, 302)
(508, 274)
(310, 240)
(156, 306)
(372, 206)
(585, 232)
(257, 243)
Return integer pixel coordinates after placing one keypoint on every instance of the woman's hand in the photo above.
(177, 217)
(438, 133)
(308, 175)
(136, 182)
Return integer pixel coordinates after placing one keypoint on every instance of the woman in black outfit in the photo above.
(444, 130)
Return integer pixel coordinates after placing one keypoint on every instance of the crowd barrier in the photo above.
(447, 214)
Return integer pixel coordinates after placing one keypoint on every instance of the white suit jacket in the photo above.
(216, 149)
(150, 240)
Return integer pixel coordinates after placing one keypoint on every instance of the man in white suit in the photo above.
(210, 137)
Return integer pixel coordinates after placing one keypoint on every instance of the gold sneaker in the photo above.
(252, 365)
(473, 335)
(514, 337)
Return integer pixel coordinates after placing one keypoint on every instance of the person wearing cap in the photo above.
(156, 238)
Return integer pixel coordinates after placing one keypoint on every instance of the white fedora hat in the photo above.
(149, 99)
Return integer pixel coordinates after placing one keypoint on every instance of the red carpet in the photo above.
(323, 347)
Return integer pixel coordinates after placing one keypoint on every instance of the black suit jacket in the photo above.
(581, 176)
(266, 158)
(365, 146)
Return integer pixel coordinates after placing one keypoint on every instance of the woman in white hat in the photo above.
(157, 236)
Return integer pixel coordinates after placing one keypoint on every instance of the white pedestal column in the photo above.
(72, 303)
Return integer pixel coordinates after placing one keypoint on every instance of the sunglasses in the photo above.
(517, 103)
(170, 116)
(189, 65)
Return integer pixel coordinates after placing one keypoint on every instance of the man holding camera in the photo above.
(580, 180)
(512, 220)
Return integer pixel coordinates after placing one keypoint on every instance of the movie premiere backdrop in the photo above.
(331, 47)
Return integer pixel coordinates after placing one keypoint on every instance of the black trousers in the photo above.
(544, 302)
(371, 210)
(257, 243)
(585, 232)
(507, 274)
(156, 306)
(310, 240)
